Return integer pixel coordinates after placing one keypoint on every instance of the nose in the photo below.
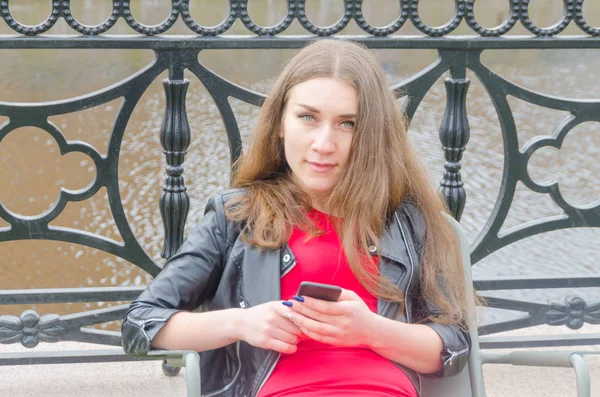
(324, 141)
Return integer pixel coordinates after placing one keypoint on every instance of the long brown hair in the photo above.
(382, 171)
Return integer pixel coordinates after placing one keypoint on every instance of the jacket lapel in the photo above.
(394, 261)
(260, 276)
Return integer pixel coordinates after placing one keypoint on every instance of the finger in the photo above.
(321, 338)
(294, 317)
(286, 322)
(307, 311)
(324, 307)
(349, 295)
(281, 347)
(309, 325)
(284, 336)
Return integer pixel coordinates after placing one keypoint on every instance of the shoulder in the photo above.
(223, 197)
(216, 205)
(217, 202)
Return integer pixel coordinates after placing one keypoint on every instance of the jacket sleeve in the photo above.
(189, 277)
(455, 337)
(455, 353)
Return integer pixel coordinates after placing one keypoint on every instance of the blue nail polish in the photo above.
(299, 298)
(286, 303)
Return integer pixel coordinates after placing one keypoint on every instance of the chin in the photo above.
(319, 188)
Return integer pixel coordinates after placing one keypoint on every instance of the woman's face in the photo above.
(318, 123)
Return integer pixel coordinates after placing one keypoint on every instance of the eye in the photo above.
(307, 117)
(348, 124)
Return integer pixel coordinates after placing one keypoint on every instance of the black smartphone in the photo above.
(326, 292)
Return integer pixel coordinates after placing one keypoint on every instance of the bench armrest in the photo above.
(564, 359)
(182, 358)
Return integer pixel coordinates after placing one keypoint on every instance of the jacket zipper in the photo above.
(412, 267)
(142, 324)
(237, 374)
(453, 355)
(272, 368)
(266, 377)
(412, 270)
(244, 305)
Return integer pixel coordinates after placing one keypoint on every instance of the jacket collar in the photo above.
(390, 247)
(391, 244)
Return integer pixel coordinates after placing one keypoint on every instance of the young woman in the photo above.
(330, 191)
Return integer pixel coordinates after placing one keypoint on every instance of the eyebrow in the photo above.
(314, 110)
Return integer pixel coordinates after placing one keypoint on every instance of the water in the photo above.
(32, 170)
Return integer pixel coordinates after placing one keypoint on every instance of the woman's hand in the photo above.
(347, 322)
(266, 326)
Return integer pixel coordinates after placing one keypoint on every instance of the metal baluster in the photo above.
(454, 135)
(175, 138)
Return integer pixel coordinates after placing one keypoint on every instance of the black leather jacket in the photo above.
(217, 269)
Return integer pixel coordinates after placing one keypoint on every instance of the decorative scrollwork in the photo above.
(574, 313)
(552, 188)
(32, 119)
(296, 9)
(30, 328)
(491, 237)
(36, 115)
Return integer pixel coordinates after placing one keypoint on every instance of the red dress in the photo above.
(317, 369)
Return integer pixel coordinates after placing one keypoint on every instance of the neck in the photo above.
(319, 202)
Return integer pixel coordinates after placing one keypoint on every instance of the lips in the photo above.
(320, 167)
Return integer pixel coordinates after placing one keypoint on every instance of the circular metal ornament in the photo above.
(499, 30)
(580, 20)
(214, 30)
(459, 12)
(552, 30)
(91, 30)
(330, 30)
(271, 30)
(151, 30)
(27, 29)
(385, 30)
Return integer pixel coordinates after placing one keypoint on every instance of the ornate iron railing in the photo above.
(177, 54)
(296, 10)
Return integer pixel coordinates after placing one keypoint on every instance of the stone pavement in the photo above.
(145, 379)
